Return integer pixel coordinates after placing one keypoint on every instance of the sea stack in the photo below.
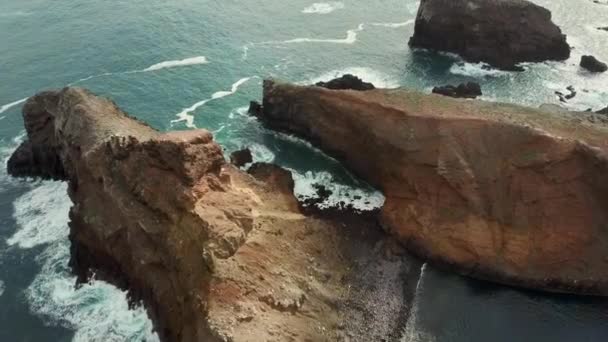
(501, 33)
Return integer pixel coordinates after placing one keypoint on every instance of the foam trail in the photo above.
(351, 38)
(198, 60)
(323, 7)
(1, 288)
(6, 107)
(394, 25)
(186, 116)
(177, 63)
(410, 334)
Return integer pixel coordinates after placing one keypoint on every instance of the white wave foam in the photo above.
(477, 70)
(261, 153)
(97, 311)
(178, 63)
(394, 25)
(361, 199)
(186, 116)
(41, 213)
(323, 7)
(8, 106)
(351, 38)
(378, 78)
(411, 332)
(1, 288)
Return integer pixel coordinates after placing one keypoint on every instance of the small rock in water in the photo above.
(603, 111)
(565, 97)
(241, 157)
(592, 64)
(464, 90)
(605, 28)
(345, 82)
(255, 108)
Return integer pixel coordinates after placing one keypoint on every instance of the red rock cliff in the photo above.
(499, 192)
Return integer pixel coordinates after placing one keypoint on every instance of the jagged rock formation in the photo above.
(495, 191)
(501, 33)
(469, 90)
(591, 63)
(241, 158)
(215, 253)
(345, 82)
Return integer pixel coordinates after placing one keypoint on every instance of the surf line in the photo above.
(351, 37)
(186, 114)
(198, 60)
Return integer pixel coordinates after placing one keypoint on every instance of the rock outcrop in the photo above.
(469, 90)
(215, 253)
(591, 63)
(495, 191)
(241, 158)
(603, 111)
(346, 82)
(501, 33)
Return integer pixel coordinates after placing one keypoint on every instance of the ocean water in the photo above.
(197, 63)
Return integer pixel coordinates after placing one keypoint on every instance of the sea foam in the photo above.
(8, 106)
(378, 78)
(361, 199)
(178, 63)
(186, 114)
(1, 288)
(323, 7)
(96, 311)
(477, 70)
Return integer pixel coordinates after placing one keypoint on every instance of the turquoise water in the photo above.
(185, 63)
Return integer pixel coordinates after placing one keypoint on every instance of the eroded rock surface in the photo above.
(501, 33)
(215, 253)
(499, 192)
(346, 82)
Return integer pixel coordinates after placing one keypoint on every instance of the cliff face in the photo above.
(215, 253)
(501, 33)
(495, 191)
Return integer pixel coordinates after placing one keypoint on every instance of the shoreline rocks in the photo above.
(241, 157)
(215, 253)
(497, 192)
(592, 64)
(469, 90)
(500, 33)
(347, 82)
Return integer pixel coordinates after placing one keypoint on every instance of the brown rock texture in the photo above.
(496, 191)
(216, 254)
(501, 33)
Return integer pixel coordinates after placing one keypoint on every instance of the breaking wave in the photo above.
(323, 7)
(97, 311)
(186, 114)
(477, 70)
(378, 78)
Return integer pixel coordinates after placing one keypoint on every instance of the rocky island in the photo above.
(502, 33)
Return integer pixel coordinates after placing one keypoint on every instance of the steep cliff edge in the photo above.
(495, 191)
(216, 254)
